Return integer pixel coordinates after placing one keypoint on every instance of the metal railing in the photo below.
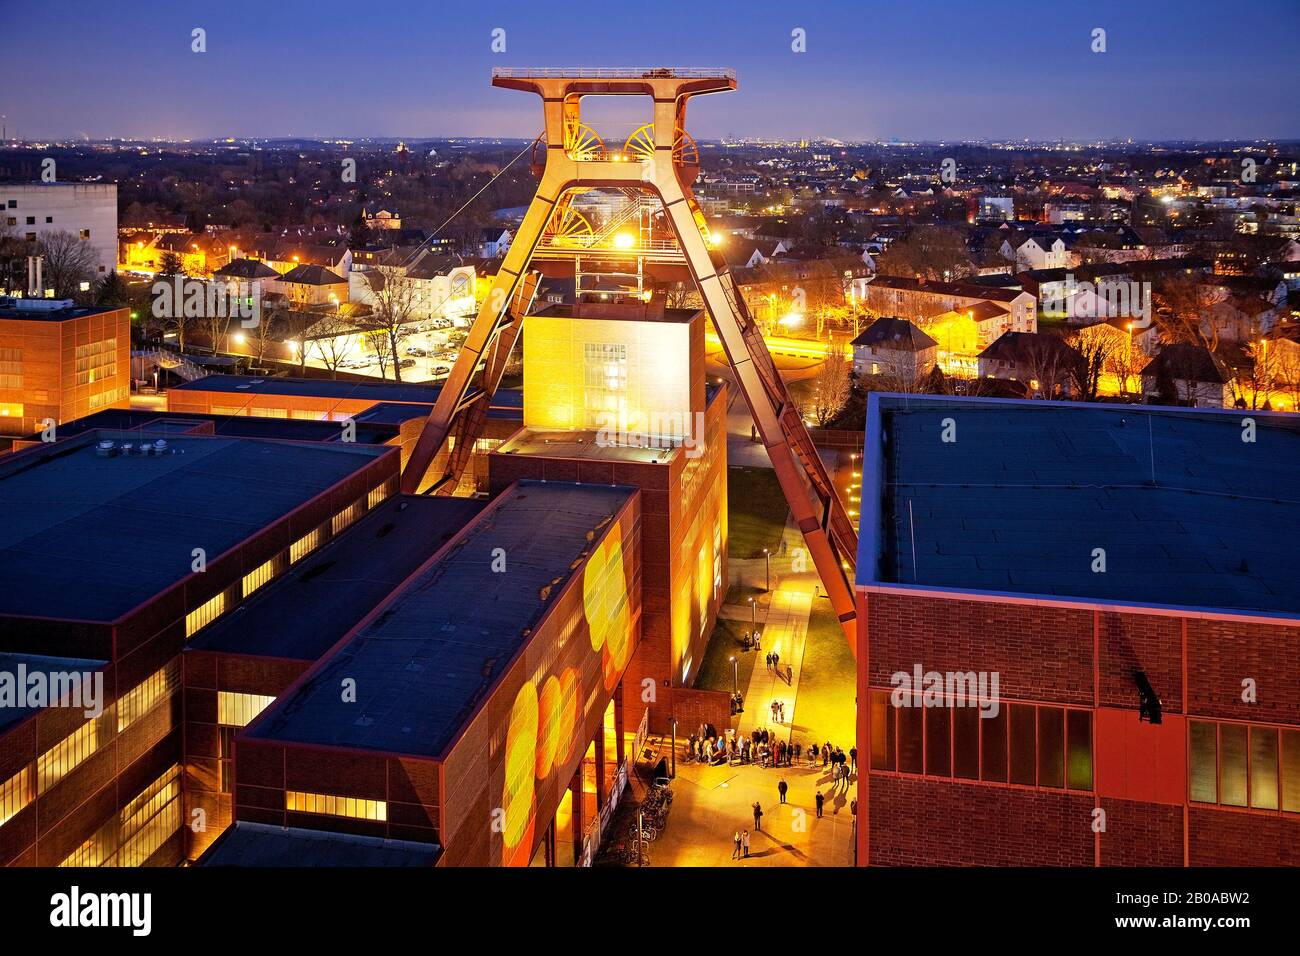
(614, 73)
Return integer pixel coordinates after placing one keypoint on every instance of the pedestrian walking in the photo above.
(735, 853)
(853, 757)
(758, 817)
(781, 788)
(820, 802)
(789, 675)
(744, 843)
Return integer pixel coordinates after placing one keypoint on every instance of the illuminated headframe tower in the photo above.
(660, 233)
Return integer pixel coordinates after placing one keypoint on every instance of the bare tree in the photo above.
(332, 339)
(1255, 382)
(830, 388)
(395, 298)
(1093, 349)
(69, 262)
(268, 323)
(1286, 369)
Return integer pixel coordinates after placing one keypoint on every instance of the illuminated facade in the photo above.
(616, 393)
(59, 363)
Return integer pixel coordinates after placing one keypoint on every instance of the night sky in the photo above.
(873, 70)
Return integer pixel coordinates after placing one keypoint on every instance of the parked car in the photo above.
(406, 363)
(416, 351)
(441, 370)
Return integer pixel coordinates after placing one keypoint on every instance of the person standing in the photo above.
(744, 843)
(789, 675)
(853, 758)
(735, 853)
(758, 817)
(781, 788)
(820, 802)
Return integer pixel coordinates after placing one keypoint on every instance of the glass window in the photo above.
(1291, 770)
(966, 742)
(1078, 758)
(1203, 760)
(994, 757)
(1023, 744)
(1232, 765)
(911, 754)
(238, 710)
(882, 731)
(1263, 767)
(1051, 747)
(938, 744)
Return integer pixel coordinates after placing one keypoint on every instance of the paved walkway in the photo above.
(785, 631)
(711, 803)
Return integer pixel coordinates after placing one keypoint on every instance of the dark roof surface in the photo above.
(330, 388)
(303, 613)
(423, 662)
(16, 666)
(1184, 362)
(1020, 500)
(898, 334)
(259, 844)
(91, 538)
(247, 269)
(309, 274)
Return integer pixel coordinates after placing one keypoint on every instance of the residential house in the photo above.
(1039, 361)
(895, 348)
(1182, 374)
(313, 285)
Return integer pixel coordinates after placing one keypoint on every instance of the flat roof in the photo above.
(333, 388)
(427, 656)
(90, 538)
(369, 431)
(1018, 503)
(15, 667)
(13, 312)
(312, 605)
(260, 844)
(579, 444)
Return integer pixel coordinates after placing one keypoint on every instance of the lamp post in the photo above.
(735, 676)
(753, 616)
(767, 575)
(672, 774)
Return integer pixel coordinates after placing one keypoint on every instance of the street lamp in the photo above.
(735, 676)
(673, 772)
(767, 562)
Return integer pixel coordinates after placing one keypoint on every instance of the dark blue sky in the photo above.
(874, 69)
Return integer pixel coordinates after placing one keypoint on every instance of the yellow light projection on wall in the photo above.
(604, 599)
(548, 723)
(517, 801)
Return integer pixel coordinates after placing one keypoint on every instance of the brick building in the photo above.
(1125, 573)
(60, 362)
(117, 548)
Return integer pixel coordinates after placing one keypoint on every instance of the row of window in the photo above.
(217, 605)
(1240, 765)
(136, 832)
(335, 806)
(73, 750)
(1034, 745)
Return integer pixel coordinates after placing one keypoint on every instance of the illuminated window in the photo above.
(15, 793)
(68, 754)
(11, 368)
(345, 517)
(380, 492)
(1026, 744)
(238, 710)
(331, 805)
(306, 544)
(132, 835)
(271, 412)
(204, 614)
(605, 378)
(262, 574)
(1240, 765)
(140, 699)
(95, 361)
(149, 819)
(11, 410)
